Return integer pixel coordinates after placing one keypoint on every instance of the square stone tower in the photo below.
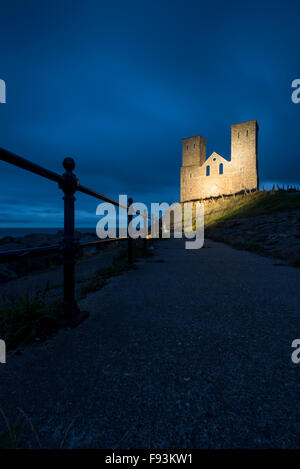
(244, 154)
(193, 151)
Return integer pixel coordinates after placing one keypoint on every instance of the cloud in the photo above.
(117, 86)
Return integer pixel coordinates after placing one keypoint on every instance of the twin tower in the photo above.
(202, 178)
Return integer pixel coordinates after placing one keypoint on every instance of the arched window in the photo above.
(207, 170)
(221, 168)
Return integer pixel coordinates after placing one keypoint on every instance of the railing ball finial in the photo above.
(69, 164)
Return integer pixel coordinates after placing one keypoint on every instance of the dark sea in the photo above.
(18, 232)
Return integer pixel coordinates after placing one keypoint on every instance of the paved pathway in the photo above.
(191, 352)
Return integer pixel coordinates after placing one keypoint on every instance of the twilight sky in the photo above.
(116, 85)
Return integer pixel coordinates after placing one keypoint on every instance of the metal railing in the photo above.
(69, 184)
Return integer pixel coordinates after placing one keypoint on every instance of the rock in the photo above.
(6, 274)
(274, 234)
(7, 239)
(11, 246)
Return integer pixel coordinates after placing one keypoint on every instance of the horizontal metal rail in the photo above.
(15, 254)
(23, 163)
(99, 241)
(69, 184)
(29, 166)
(86, 190)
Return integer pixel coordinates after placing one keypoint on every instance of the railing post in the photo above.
(130, 253)
(72, 314)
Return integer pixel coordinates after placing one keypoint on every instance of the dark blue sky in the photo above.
(116, 85)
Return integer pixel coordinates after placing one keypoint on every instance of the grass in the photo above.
(11, 438)
(250, 205)
(99, 279)
(8, 440)
(119, 266)
(24, 318)
(236, 207)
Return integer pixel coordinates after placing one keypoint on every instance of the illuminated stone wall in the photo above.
(201, 178)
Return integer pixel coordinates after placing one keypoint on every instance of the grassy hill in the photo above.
(250, 205)
(264, 222)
